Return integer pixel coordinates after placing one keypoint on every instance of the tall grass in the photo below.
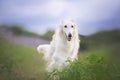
(95, 65)
(20, 63)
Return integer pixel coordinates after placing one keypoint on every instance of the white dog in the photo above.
(64, 45)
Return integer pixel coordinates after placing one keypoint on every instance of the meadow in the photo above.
(20, 63)
(95, 65)
(98, 59)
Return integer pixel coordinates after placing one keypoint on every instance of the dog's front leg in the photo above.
(75, 52)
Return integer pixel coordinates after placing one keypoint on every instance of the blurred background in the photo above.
(25, 24)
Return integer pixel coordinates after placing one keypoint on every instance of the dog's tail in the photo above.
(40, 49)
(44, 49)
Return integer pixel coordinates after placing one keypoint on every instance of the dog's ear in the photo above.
(60, 30)
(76, 31)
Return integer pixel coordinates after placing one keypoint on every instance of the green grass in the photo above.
(95, 65)
(20, 63)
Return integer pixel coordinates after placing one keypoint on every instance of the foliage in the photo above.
(48, 35)
(105, 37)
(19, 30)
(109, 39)
(95, 65)
(21, 63)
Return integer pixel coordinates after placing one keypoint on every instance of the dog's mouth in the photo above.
(69, 38)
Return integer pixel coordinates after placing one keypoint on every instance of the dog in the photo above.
(64, 45)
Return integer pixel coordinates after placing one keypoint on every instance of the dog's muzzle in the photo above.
(69, 37)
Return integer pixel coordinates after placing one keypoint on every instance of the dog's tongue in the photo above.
(69, 38)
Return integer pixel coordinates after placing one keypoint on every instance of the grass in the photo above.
(20, 63)
(95, 65)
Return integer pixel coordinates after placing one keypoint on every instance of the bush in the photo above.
(17, 30)
(48, 35)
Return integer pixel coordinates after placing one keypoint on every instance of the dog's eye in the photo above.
(65, 26)
(72, 26)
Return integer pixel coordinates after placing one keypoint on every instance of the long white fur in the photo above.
(60, 49)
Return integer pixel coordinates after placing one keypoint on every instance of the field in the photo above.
(95, 65)
(99, 58)
(20, 63)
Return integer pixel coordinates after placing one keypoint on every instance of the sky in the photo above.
(41, 15)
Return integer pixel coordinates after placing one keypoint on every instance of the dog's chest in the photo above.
(66, 49)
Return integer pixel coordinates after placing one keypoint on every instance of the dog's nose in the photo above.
(70, 35)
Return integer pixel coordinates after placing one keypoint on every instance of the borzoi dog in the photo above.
(64, 45)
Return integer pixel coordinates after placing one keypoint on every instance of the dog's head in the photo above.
(68, 30)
